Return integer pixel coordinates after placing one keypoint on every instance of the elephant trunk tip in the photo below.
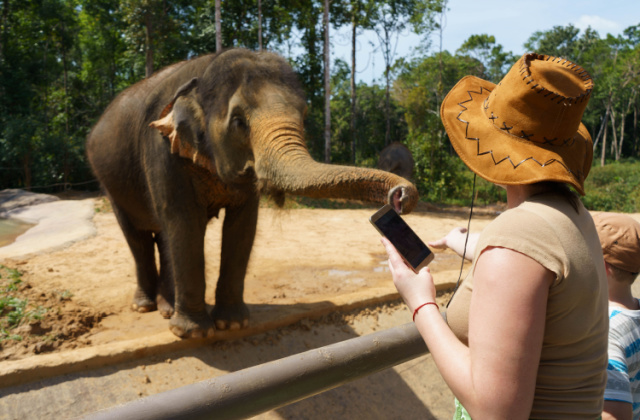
(403, 198)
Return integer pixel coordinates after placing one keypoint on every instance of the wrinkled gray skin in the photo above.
(210, 133)
(397, 158)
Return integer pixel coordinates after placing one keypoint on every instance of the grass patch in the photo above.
(14, 309)
(103, 205)
(614, 187)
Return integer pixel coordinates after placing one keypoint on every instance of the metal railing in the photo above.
(265, 387)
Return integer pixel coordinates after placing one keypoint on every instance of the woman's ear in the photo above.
(182, 122)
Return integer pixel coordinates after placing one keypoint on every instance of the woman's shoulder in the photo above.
(541, 211)
(530, 230)
(519, 220)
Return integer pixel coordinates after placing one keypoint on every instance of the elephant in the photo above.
(397, 158)
(210, 133)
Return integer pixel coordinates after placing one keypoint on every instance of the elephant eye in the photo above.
(238, 122)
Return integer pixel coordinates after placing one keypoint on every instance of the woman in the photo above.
(526, 334)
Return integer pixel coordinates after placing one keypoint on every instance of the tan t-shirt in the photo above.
(572, 373)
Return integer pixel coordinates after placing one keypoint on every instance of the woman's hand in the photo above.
(415, 289)
(455, 240)
(452, 237)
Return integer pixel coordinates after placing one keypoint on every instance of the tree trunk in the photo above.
(614, 142)
(603, 131)
(632, 99)
(3, 29)
(635, 129)
(148, 44)
(65, 166)
(218, 27)
(353, 90)
(259, 25)
(327, 86)
(26, 165)
(604, 140)
(387, 105)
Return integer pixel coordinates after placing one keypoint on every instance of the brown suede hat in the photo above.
(527, 128)
(620, 240)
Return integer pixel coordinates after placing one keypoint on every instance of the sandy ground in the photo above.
(316, 277)
(308, 267)
(301, 258)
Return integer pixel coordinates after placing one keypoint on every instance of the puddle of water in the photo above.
(10, 229)
(340, 273)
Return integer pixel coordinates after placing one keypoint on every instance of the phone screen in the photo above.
(408, 244)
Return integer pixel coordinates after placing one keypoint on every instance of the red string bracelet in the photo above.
(421, 306)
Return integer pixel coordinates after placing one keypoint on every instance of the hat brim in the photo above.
(503, 158)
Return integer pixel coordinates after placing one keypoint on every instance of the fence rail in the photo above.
(265, 387)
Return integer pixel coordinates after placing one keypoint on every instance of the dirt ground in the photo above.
(300, 256)
(306, 264)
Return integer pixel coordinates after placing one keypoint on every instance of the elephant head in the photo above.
(243, 120)
(397, 158)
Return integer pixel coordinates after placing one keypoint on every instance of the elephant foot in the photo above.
(231, 317)
(142, 303)
(164, 307)
(191, 326)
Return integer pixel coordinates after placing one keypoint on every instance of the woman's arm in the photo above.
(455, 240)
(495, 376)
(617, 410)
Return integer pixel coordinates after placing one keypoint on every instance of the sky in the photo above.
(512, 22)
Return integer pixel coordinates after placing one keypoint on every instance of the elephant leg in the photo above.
(181, 247)
(142, 247)
(186, 255)
(238, 233)
(165, 298)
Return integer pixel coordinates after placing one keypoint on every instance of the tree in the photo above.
(255, 24)
(612, 63)
(260, 25)
(493, 60)
(560, 42)
(370, 117)
(218, 27)
(357, 14)
(327, 84)
(391, 18)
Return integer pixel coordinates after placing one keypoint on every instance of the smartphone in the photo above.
(389, 223)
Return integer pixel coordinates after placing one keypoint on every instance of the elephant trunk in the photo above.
(283, 162)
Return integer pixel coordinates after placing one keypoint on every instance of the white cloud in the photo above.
(601, 25)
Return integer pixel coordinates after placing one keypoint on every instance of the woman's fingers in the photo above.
(393, 254)
(438, 244)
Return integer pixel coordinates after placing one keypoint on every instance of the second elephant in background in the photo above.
(397, 159)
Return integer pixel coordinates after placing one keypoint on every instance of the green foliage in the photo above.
(614, 187)
(63, 61)
(370, 120)
(494, 61)
(14, 310)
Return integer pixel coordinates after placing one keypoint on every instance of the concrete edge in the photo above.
(58, 224)
(35, 368)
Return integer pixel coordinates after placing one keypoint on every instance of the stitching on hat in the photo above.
(505, 128)
(578, 176)
(525, 135)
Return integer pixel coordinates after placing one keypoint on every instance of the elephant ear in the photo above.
(182, 121)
